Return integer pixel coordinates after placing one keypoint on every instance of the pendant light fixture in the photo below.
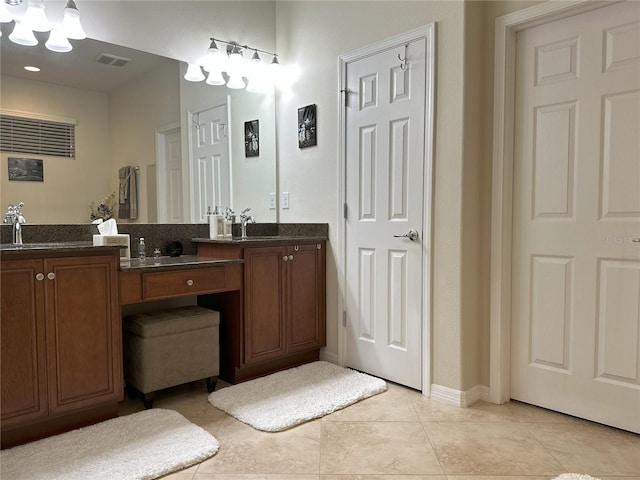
(239, 71)
(35, 20)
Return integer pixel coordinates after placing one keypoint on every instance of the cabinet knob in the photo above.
(51, 276)
(285, 258)
(290, 257)
(40, 276)
(189, 282)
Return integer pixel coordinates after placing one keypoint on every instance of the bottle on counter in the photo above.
(142, 250)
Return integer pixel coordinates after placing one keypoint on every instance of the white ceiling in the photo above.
(77, 68)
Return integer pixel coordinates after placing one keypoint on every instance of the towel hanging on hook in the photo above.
(403, 61)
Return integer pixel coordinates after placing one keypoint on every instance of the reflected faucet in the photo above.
(15, 217)
(244, 219)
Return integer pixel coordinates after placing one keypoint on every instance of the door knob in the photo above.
(411, 235)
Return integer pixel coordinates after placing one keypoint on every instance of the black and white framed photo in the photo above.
(251, 138)
(307, 126)
(26, 169)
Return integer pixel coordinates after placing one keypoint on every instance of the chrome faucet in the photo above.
(15, 217)
(244, 219)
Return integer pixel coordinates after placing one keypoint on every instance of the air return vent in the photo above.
(114, 60)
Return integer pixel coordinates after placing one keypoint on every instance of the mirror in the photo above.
(128, 116)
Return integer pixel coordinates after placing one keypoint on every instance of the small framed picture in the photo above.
(307, 126)
(26, 169)
(251, 138)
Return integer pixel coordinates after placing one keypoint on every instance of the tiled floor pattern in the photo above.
(401, 435)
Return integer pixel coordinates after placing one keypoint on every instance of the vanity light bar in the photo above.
(236, 67)
(34, 19)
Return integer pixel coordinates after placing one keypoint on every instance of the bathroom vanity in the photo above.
(61, 339)
(61, 327)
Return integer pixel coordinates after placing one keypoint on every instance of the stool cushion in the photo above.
(167, 322)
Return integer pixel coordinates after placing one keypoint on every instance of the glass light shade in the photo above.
(194, 73)
(5, 14)
(235, 57)
(236, 82)
(71, 25)
(213, 59)
(23, 35)
(215, 78)
(58, 42)
(35, 17)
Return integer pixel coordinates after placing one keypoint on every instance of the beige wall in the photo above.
(70, 184)
(137, 110)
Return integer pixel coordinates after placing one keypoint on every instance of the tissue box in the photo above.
(118, 239)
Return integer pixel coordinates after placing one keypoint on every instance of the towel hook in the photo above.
(403, 61)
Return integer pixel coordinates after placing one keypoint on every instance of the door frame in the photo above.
(506, 28)
(161, 165)
(428, 34)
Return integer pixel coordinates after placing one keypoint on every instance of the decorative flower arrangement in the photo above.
(105, 209)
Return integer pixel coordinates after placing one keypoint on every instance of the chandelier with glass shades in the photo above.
(33, 19)
(235, 70)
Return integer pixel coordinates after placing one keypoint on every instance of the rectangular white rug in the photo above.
(144, 445)
(288, 398)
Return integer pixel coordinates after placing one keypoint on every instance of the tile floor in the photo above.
(401, 435)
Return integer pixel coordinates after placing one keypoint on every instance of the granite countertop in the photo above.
(52, 247)
(168, 262)
(263, 239)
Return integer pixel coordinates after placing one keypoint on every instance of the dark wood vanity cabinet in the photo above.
(278, 320)
(284, 301)
(61, 344)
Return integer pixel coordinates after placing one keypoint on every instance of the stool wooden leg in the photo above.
(211, 384)
(147, 399)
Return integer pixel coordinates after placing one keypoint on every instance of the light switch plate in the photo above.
(285, 200)
(272, 201)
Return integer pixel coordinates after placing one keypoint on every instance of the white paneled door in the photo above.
(575, 340)
(169, 173)
(210, 169)
(385, 161)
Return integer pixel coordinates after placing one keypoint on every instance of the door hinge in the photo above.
(344, 319)
(344, 211)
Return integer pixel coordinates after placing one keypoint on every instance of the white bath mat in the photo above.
(288, 398)
(143, 445)
(574, 476)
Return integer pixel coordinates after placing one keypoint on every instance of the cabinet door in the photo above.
(264, 333)
(24, 384)
(83, 332)
(305, 297)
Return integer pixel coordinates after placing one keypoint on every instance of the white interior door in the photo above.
(210, 168)
(575, 342)
(385, 158)
(169, 176)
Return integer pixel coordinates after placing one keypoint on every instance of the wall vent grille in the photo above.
(113, 60)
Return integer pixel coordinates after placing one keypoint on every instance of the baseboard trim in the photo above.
(328, 356)
(459, 398)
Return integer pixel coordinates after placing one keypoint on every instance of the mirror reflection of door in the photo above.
(169, 174)
(210, 170)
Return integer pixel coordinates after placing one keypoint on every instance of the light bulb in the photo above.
(71, 22)
(23, 35)
(58, 42)
(35, 17)
(194, 73)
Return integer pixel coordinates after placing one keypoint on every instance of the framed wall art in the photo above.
(251, 138)
(307, 135)
(26, 169)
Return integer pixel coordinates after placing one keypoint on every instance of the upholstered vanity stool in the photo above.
(170, 347)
